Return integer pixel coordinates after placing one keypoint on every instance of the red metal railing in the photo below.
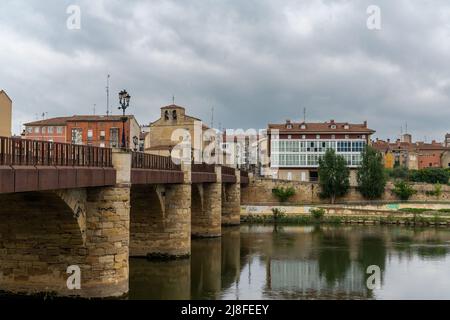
(151, 161)
(203, 167)
(16, 151)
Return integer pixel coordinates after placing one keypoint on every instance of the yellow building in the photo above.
(389, 160)
(160, 139)
(5, 114)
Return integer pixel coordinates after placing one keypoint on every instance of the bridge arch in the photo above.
(39, 239)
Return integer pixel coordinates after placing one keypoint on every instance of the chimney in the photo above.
(332, 121)
(365, 123)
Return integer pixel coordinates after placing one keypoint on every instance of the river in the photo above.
(303, 262)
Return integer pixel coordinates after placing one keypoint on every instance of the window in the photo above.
(303, 126)
(317, 136)
(50, 129)
(36, 129)
(343, 146)
(59, 130)
(346, 127)
(90, 134)
(114, 137)
(44, 129)
(289, 126)
(102, 145)
(303, 136)
(77, 136)
(289, 137)
(29, 129)
(358, 146)
(333, 126)
(347, 136)
(333, 136)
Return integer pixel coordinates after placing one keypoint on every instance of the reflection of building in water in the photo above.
(160, 280)
(304, 278)
(206, 263)
(231, 243)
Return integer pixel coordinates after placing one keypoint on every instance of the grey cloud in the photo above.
(255, 61)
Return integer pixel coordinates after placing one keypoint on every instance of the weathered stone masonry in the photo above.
(231, 202)
(206, 209)
(43, 233)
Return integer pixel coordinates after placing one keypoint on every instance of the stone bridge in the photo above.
(66, 205)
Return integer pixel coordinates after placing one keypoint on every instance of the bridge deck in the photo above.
(29, 165)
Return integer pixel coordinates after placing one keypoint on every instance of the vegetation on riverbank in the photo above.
(405, 216)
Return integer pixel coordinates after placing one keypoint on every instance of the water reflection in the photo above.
(302, 262)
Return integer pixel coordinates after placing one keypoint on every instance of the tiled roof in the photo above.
(60, 121)
(384, 146)
(315, 127)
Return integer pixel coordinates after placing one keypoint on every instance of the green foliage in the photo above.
(430, 175)
(278, 214)
(371, 175)
(333, 176)
(283, 194)
(318, 213)
(403, 190)
(436, 192)
(413, 210)
(444, 210)
(399, 172)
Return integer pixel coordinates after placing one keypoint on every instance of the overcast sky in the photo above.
(254, 61)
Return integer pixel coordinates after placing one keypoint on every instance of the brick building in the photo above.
(413, 155)
(295, 148)
(101, 131)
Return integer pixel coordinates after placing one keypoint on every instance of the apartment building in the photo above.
(295, 148)
(95, 130)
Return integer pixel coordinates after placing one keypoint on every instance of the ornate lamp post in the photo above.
(124, 100)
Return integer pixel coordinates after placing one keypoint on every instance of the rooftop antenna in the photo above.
(173, 99)
(94, 108)
(44, 114)
(304, 115)
(406, 130)
(212, 117)
(107, 95)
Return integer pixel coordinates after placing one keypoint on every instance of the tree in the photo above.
(333, 176)
(371, 175)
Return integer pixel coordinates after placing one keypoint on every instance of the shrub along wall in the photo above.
(259, 191)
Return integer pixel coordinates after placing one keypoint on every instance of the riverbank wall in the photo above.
(259, 192)
(423, 214)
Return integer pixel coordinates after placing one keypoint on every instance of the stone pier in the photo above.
(207, 208)
(43, 235)
(231, 202)
(161, 220)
